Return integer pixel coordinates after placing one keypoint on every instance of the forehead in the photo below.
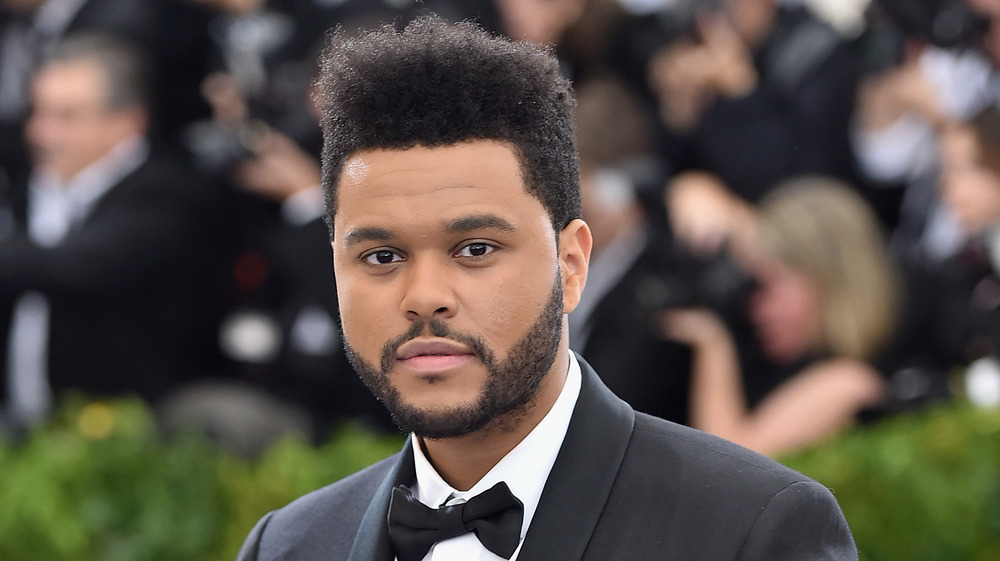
(440, 183)
(70, 80)
(986, 7)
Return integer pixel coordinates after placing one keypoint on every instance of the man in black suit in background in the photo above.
(171, 34)
(452, 196)
(632, 269)
(107, 270)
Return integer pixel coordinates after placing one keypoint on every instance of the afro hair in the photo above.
(438, 83)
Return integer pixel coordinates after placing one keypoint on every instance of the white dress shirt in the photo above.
(525, 469)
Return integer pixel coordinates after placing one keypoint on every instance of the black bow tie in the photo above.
(494, 515)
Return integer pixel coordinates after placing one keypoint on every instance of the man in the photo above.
(107, 270)
(453, 200)
(168, 32)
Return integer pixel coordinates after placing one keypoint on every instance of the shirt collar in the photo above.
(56, 206)
(525, 468)
(87, 186)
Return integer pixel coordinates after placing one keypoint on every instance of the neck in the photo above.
(463, 461)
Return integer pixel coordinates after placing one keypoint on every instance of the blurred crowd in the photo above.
(794, 206)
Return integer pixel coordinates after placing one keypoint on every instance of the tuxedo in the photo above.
(624, 486)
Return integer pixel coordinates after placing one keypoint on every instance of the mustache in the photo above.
(436, 328)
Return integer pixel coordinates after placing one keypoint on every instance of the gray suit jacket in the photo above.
(625, 486)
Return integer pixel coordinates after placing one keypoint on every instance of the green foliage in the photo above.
(918, 487)
(99, 483)
(288, 470)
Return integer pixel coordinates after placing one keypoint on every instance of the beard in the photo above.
(509, 387)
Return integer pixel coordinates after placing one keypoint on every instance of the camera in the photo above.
(943, 23)
(216, 147)
(685, 280)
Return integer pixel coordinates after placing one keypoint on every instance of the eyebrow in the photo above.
(459, 225)
(367, 234)
(478, 222)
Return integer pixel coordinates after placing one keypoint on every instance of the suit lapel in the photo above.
(582, 476)
(372, 540)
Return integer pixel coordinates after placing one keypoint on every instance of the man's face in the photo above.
(448, 276)
(970, 189)
(71, 125)
(990, 10)
(542, 22)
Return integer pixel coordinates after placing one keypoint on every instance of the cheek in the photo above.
(80, 143)
(765, 306)
(988, 188)
(503, 308)
(363, 315)
(506, 309)
(975, 197)
(787, 310)
(803, 310)
(34, 130)
(49, 134)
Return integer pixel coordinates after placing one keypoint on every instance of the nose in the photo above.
(429, 291)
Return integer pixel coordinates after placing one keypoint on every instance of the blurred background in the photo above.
(795, 207)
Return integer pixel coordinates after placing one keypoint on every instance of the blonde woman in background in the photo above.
(824, 306)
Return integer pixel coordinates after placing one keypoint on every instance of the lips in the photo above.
(436, 347)
(433, 355)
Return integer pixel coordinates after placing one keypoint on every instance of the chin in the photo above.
(439, 396)
(440, 423)
(780, 352)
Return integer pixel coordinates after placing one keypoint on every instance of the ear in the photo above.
(575, 242)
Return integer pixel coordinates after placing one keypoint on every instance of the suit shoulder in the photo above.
(352, 490)
(702, 497)
(319, 523)
(708, 456)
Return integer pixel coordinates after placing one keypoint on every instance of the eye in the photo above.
(381, 257)
(475, 249)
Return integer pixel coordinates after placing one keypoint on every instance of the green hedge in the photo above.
(98, 483)
(918, 487)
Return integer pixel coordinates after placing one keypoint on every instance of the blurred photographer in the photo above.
(637, 268)
(824, 308)
(753, 92)
(750, 93)
(928, 63)
(968, 300)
